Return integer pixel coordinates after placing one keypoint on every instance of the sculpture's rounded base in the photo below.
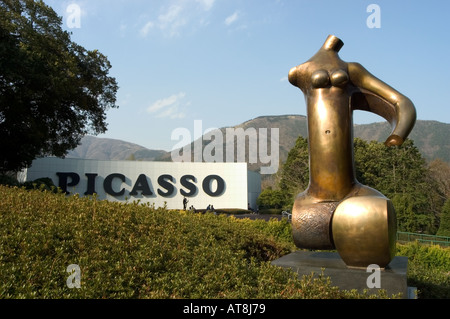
(364, 231)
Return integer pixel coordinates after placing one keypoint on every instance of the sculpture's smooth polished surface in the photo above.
(336, 211)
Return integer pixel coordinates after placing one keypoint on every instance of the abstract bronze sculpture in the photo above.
(336, 211)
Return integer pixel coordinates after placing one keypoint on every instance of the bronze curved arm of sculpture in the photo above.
(396, 108)
(336, 211)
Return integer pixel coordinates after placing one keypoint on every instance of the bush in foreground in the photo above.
(136, 251)
(428, 269)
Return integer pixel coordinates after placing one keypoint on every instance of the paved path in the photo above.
(266, 217)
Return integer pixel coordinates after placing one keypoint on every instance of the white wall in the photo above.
(240, 187)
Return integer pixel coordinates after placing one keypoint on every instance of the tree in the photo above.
(295, 172)
(270, 198)
(131, 157)
(52, 90)
(444, 228)
(440, 171)
(402, 175)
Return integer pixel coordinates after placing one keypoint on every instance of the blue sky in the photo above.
(226, 61)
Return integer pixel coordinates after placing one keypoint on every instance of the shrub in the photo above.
(428, 269)
(281, 230)
(138, 251)
(8, 180)
(44, 183)
(271, 199)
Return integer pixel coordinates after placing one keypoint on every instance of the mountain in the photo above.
(431, 137)
(290, 127)
(111, 149)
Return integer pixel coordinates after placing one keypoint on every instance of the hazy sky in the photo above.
(226, 61)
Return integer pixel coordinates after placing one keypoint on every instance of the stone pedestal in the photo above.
(392, 278)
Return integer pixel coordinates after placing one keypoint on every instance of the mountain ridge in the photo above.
(431, 137)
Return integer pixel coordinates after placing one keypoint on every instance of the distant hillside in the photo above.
(290, 127)
(431, 137)
(111, 149)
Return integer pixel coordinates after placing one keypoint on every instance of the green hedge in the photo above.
(136, 251)
(428, 269)
(8, 180)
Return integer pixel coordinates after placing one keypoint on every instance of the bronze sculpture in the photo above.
(336, 211)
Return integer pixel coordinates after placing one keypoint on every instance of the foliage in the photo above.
(52, 90)
(400, 173)
(428, 269)
(293, 179)
(8, 180)
(295, 173)
(136, 251)
(440, 172)
(444, 228)
(281, 230)
(44, 183)
(417, 194)
(270, 198)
